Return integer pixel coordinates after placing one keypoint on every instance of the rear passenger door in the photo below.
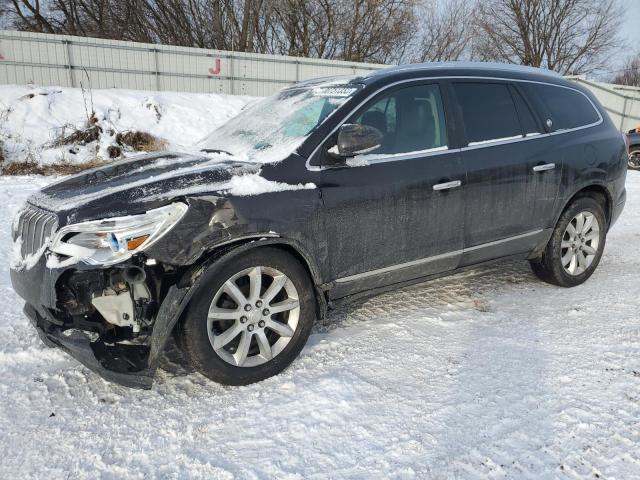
(565, 111)
(503, 153)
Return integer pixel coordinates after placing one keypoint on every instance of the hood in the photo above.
(136, 185)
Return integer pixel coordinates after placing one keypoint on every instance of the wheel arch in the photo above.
(249, 243)
(238, 247)
(598, 191)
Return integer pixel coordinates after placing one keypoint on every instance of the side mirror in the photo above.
(354, 139)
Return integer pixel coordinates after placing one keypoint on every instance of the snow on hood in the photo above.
(243, 185)
(147, 181)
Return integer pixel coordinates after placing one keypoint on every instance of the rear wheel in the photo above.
(576, 245)
(634, 158)
(250, 317)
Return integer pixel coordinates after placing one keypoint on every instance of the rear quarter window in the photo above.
(565, 107)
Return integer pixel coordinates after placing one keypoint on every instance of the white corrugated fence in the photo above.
(69, 61)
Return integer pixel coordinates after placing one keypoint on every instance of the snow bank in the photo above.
(32, 118)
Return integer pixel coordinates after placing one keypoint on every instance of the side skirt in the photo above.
(525, 246)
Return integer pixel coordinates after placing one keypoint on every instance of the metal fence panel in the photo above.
(69, 61)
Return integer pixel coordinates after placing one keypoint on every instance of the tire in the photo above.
(634, 158)
(197, 334)
(563, 246)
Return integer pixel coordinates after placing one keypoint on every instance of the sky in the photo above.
(630, 32)
(631, 25)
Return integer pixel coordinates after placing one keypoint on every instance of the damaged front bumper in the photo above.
(132, 364)
(114, 364)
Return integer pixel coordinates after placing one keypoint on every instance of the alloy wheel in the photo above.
(253, 316)
(634, 159)
(580, 243)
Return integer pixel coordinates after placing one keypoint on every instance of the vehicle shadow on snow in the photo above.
(466, 291)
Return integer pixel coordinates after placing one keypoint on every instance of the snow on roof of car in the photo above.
(325, 81)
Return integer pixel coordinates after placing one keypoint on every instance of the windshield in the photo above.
(272, 128)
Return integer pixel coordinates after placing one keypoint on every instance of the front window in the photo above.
(274, 127)
(410, 119)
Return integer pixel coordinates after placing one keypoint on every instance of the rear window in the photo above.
(488, 112)
(565, 107)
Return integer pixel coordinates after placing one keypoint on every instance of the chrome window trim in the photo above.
(481, 143)
(435, 258)
(318, 168)
(405, 156)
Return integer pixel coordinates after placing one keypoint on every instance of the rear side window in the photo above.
(488, 111)
(527, 120)
(565, 107)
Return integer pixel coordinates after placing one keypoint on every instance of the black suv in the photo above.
(328, 191)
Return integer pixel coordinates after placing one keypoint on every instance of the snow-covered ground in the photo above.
(31, 118)
(487, 374)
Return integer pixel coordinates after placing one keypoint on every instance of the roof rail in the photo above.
(503, 67)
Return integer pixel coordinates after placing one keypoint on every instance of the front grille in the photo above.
(34, 227)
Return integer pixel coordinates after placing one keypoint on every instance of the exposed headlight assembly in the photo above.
(113, 240)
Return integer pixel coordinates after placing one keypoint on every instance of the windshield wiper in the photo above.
(216, 150)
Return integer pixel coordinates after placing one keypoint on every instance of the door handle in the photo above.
(545, 167)
(447, 185)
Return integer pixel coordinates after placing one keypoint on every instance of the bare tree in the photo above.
(306, 28)
(33, 15)
(356, 30)
(5, 8)
(568, 36)
(97, 18)
(374, 30)
(630, 74)
(447, 31)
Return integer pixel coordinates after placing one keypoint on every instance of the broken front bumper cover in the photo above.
(114, 364)
(128, 365)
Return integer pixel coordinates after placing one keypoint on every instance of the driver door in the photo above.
(396, 213)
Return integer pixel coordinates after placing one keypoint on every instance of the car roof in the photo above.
(440, 69)
(463, 69)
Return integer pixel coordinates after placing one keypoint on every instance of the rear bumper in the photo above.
(113, 363)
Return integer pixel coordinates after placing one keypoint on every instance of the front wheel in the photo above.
(634, 159)
(576, 245)
(249, 318)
